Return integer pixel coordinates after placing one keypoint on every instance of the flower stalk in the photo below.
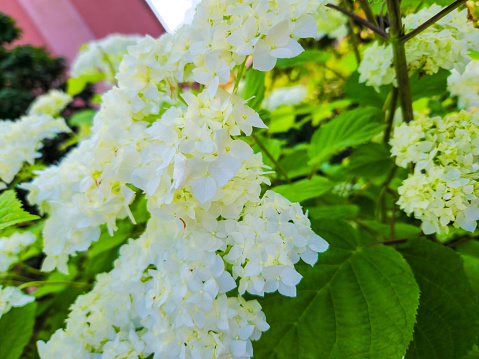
(400, 62)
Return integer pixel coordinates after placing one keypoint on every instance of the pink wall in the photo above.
(64, 25)
(124, 16)
(30, 33)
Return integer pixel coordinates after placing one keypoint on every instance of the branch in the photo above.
(360, 20)
(432, 20)
(400, 62)
(369, 12)
(393, 97)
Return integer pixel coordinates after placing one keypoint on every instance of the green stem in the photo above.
(31, 269)
(15, 277)
(391, 113)
(270, 156)
(400, 62)
(46, 282)
(432, 20)
(381, 214)
(369, 12)
(313, 171)
(239, 76)
(354, 41)
(392, 226)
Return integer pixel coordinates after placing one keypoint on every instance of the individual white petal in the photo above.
(223, 169)
(240, 150)
(203, 189)
(290, 277)
(305, 26)
(262, 59)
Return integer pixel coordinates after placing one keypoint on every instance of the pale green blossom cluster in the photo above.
(465, 86)
(331, 23)
(51, 103)
(444, 152)
(293, 95)
(21, 140)
(102, 56)
(11, 247)
(445, 45)
(210, 229)
(12, 297)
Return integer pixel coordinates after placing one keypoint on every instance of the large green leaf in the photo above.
(359, 301)
(84, 117)
(254, 87)
(470, 254)
(372, 160)
(421, 86)
(16, 328)
(295, 161)
(308, 56)
(365, 95)
(76, 85)
(305, 189)
(348, 129)
(11, 211)
(429, 85)
(448, 313)
(340, 211)
(282, 119)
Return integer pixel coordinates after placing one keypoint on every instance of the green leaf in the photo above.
(421, 86)
(254, 87)
(84, 117)
(16, 328)
(76, 85)
(372, 160)
(364, 95)
(307, 57)
(282, 119)
(348, 129)
(295, 163)
(11, 211)
(429, 85)
(359, 301)
(401, 230)
(305, 189)
(340, 211)
(107, 242)
(448, 312)
(470, 254)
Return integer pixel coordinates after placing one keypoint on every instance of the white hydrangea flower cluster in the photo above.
(465, 86)
(445, 45)
(102, 56)
(166, 295)
(21, 140)
(12, 297)
(445, 152)
(51, 103)
(292, 95)
(331, 23)
(10, 248)
(222, 34)
(77, 202)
